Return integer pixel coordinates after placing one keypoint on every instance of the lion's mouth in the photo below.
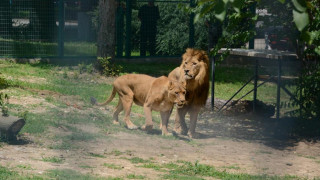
(188, 76)
(179, 105)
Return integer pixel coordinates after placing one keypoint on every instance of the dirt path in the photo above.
(233, 144)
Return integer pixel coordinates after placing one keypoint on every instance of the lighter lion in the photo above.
(158, 94)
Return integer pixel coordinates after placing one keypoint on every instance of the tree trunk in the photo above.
(107, 28)
(10, 126)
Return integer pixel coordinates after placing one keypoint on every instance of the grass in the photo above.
(53, 159)
(65, 174)
(25, 166)
(151, 68)
(232, 167)
(60, 83)
(181, 170)
(96, 155)
(136, 160)
(187, 170)
(45, 49)
(133, 176)
(112, 166)
(68, 174)
(8, 174)
(116, 152)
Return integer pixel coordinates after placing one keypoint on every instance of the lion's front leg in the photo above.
(194, 111)
(164, 122)
(148, 115)
(180, 125)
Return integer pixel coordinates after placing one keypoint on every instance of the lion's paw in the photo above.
(167, 134)
(180, 131)
(132, 127)
(193, 135)
(147, 127)
(116, 122)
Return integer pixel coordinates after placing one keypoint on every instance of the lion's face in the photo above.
(191, 67)
(177, 93)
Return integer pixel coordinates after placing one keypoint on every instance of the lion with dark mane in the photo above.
(194, 69)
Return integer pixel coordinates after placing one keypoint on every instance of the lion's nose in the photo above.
(182, 101)
(186, 71)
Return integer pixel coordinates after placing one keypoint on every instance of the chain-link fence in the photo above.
(154, 28)
(46, 28)
(50, 28)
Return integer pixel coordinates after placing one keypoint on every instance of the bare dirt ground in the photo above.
(237, 144)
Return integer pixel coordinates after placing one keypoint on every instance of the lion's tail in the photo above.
(113, 94)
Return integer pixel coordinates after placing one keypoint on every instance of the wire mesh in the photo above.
(158, 28)
(29, 28)
(79, 30)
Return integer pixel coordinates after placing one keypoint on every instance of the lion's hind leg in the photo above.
(127, 101)
(116, 112)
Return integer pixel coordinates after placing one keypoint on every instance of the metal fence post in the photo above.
(119, 29)
(212, 82)
(191, 26)
(279, 86)
(61, 29)
(255, 89)
(253, 11)
(128, 28)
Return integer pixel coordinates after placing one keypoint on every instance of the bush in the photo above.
(3, 101)
(308, 92)
(107, 67)
(3, 83)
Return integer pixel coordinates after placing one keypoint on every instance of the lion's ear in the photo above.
(189, 50)
(171, 85)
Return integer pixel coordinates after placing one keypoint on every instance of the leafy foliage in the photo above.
(307, 19)
(172, 37)
(107, 67)
(4, 97)
(3, 83)
(3, 101)
(237, 19)
(308, 92)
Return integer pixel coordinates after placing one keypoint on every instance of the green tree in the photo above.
(172, 37)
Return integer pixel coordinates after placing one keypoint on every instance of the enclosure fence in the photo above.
(46, 28)
(64, 28)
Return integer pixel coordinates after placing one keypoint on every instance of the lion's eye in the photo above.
(185, 62)
(194, 63)
(177, 92)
